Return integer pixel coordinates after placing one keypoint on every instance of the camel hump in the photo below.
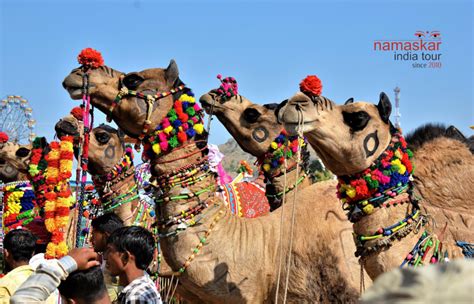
(430, 131)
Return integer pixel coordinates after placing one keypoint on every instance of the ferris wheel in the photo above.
(16, 119)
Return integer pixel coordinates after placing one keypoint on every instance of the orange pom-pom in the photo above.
(311, 85)
(90, 58)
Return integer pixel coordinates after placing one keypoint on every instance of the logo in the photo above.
(424, 51)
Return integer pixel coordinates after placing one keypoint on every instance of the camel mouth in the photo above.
(293, 128)
(207, 106)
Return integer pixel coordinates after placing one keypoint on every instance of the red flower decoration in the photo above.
(90, 58)
(311, 85)
(3, 137)
(77, 113)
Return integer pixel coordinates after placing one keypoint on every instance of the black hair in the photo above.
(136, 240)
(20, 243)
(107, 223)
(87, 285)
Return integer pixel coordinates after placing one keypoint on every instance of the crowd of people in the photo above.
(113, 271)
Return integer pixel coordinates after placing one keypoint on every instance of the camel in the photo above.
(217, 256)
(111, 167)
(14, 160)
(255, 127)
(353, 139)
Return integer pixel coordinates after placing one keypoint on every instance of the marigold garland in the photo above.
(58, 195)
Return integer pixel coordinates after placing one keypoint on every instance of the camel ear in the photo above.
(384, 107)
(454, 132)
(172, 72)
(350, 100)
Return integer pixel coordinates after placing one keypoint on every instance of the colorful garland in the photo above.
(282, 147)
(387, 177)
(19, 205)
(58, 195)
(182, 123)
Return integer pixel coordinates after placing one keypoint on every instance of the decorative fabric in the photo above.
(246, 199)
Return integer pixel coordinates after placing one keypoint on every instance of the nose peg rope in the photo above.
(293, 212)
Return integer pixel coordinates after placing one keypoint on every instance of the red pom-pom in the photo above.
(182, 137)
(77, 112)
(90, 58)
(3, 137)
(311, 85)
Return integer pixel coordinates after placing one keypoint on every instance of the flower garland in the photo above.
(37, 168)
(182, 123)
(387, 177)
(58, 195)
(20, 205)
(282, 147)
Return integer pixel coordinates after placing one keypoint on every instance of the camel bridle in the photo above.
(149, 99)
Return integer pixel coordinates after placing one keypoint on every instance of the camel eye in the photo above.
(102, 137)
(132, 81)
(356, 120)
(2, 161)
(251, 115)
(22, 152)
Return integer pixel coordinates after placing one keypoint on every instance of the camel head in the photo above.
(14, 161)
(253, 126)
(106, 144)
(112, 92)
(348, 138)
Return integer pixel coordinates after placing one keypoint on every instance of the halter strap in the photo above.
(149, 99)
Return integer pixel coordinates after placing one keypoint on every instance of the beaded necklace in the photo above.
(123, 166)
(388, 177)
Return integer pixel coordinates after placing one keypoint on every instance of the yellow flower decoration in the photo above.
(199, 128)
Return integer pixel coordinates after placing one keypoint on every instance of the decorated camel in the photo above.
(397, 220)
(232, 259)
(111, 167)
(256, 130)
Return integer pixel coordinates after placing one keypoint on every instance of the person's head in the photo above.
(85, 286)
(19, 246)
(102, 228)
(129, 248)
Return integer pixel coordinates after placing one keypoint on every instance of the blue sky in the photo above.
(269, 46)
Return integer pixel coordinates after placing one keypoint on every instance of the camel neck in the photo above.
(284, 183)
(187, 187)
